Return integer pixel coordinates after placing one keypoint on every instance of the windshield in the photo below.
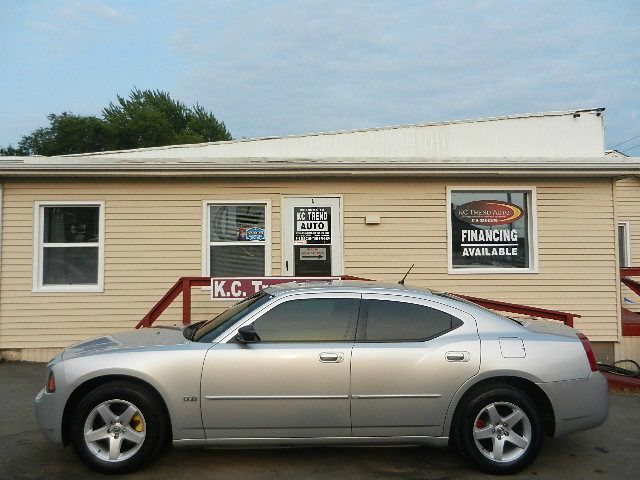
(208, 330)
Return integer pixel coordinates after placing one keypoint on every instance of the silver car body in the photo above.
(225, 393)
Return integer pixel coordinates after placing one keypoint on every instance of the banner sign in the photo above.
(237, 288)
(312, 225)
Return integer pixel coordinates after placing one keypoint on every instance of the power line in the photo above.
(626, 141)
(631, 148)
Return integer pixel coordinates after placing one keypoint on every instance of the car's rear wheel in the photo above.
(499, 430)
(118, 427)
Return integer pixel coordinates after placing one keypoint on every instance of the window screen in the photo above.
(308, 320)
(399, 321)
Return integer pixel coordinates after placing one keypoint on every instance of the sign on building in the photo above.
(237, 288)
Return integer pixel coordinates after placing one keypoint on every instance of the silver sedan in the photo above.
(340, 363)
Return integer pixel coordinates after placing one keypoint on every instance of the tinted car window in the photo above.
(306, 320)
(400, 321)
(209, 330)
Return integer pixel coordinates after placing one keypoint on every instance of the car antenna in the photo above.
(401, 282)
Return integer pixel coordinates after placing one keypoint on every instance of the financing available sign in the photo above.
(237, 288)
(489, 233)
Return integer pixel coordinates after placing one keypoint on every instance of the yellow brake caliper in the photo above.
(137, 423)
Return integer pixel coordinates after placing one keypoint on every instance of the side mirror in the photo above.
(247, 334)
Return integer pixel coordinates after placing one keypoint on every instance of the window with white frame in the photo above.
(624, 256)
(491, 230)
(70, 244)
(237, 239)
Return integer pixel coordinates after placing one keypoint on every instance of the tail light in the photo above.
(587, 349)
(51, 382)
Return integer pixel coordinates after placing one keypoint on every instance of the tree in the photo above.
(146, 118)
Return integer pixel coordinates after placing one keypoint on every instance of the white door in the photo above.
(311, 236)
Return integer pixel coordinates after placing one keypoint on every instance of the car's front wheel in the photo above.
(118, 427)
(499, 430)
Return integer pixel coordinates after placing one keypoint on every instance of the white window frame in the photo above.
(627, 242)
(533, 230)
(206, 244)
(38, 243)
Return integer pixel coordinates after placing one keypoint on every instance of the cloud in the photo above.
(269, 67)
(281, 68)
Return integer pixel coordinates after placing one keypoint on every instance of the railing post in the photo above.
(186, 301)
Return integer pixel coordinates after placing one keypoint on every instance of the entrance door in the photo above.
(312, 236)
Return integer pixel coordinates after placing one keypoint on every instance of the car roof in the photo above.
(358, 286)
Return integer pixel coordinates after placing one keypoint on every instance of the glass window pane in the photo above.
(70, 266)
(237, 261)
(71, 224)
(389, 321)
(622, 245)
(309, 320)
(232, 223)
(489, 229)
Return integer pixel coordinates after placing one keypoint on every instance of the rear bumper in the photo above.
(578, 404)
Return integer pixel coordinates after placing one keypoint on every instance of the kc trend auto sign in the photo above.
(237, 288)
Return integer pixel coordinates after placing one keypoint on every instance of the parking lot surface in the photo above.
(611, 451)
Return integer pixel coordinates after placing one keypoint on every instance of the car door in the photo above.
(410, 357)
(294, 382)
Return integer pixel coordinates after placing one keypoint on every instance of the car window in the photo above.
(209, 330)
(400, 321)
(307, 320)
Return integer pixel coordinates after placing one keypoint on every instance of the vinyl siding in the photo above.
(628, 209)
(153, 235)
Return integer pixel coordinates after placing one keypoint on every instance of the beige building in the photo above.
(522, 209)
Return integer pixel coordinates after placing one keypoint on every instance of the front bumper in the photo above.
(578, 404)
(48, 416)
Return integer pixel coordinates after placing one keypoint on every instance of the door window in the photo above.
(391, 321)
(308, 320)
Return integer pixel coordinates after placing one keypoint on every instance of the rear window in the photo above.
(392, 321)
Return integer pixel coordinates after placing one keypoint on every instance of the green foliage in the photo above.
(146, 118)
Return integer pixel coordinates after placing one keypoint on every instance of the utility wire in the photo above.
(631, 148)
(626, 141)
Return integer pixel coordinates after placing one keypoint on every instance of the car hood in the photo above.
(145, 337)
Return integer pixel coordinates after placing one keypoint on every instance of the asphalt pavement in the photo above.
(611, 451)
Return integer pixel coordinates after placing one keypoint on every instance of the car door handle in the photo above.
(457, 356)
(331, 357)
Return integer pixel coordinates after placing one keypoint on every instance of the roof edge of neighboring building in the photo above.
(596, 110)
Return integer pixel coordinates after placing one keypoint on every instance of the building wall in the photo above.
(628, 210)
(154, 233)
(538, 135)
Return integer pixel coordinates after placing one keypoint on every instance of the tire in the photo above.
(118, 427)
(485, 441)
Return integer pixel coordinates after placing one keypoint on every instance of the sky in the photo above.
(279, 68)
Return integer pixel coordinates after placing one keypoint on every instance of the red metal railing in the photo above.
(564, 317)
(630, 320)
(184, 284)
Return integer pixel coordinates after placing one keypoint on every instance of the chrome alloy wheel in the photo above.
(502, 432)
(114, 430)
